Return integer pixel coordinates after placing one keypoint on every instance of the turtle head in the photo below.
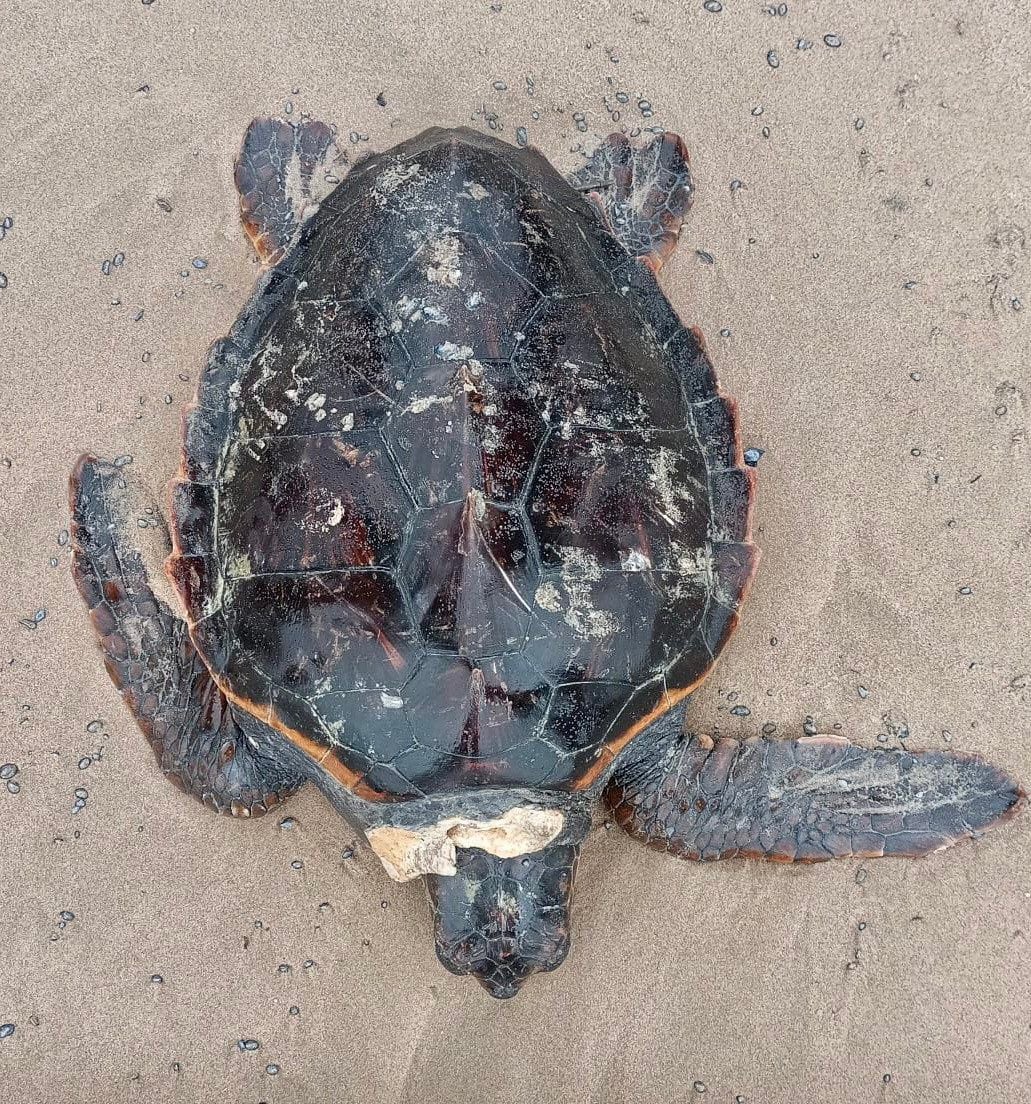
(502, 920)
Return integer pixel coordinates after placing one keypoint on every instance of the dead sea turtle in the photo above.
(461, 522)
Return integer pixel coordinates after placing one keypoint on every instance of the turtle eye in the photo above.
(466, 953)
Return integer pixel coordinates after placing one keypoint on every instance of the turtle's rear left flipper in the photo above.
(804, 800)
(201, 742)
(643, 192)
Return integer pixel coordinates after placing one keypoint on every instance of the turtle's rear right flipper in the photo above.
(200, 741)
(281, 179)
(803, 800)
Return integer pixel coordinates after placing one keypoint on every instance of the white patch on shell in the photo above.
(671, 494)
(448, 350)
(444, 268)
(237, 564)
(407, 853)
(395, 175)
(420, 406)
(532, 234)
(473, 190)
(479, 504)
(579, 570)
(547, 597)
(694, 562)
(634, 560)
(410, 309)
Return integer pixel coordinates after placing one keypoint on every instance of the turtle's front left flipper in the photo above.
(804, 800)
(229, 761)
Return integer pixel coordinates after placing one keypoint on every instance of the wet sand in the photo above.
(861, 290)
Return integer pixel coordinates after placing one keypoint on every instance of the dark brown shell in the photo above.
(460, 502)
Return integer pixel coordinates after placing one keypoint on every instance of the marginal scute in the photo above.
(197, 580)
(734, 566)
(693, 365)
(193, 505)
(731, 495)
(460, 503)
(715, 422)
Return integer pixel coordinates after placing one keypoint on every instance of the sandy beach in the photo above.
(857, 259)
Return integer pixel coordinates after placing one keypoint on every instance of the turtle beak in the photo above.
(502, 920)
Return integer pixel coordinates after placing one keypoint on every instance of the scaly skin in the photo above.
(230, 761)
(502, 920)
(804, 800)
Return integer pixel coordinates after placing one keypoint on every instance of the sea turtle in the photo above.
(461, 522)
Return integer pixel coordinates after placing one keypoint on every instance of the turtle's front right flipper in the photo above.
(203, 744)
(803, 800)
